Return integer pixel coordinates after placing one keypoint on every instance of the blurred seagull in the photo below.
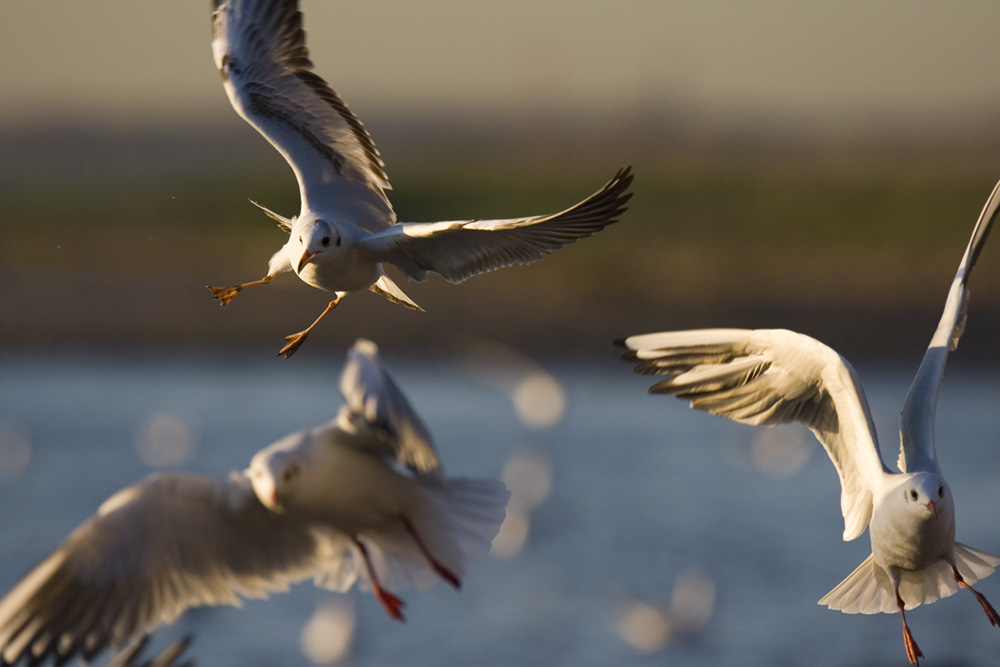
(361, 497)
(346, 228)
(774, 376)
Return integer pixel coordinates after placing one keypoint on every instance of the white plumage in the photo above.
(766, 377)
(346, 228)
(361, 497)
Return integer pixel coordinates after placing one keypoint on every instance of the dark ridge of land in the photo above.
(108, 237)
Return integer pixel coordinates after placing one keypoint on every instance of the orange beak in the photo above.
(306, 258)
(931, 507)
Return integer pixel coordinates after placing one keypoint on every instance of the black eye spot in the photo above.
(300, 239)
(913, 494)
(326, 241)
(941, 491)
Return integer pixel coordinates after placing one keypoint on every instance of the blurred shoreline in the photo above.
(110, 235)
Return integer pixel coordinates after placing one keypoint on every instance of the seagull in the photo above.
(363, 497)
(772, 376)
(346, 229)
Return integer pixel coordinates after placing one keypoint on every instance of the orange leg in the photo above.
(991, 613)
(226, 294)
(393, 605)
(912, 650)
(441, 570)
(293, 342)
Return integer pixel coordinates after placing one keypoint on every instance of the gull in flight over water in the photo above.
(363, 497)
(346, 228)
(767, 377)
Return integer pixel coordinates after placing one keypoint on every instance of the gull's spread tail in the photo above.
(868, 589)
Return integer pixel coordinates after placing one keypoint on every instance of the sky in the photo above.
(822, 63)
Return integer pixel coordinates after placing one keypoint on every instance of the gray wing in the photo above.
(153, 550)
(377, 407)
(259, 48)
(917, 451)
(773, 376)
(460, 249)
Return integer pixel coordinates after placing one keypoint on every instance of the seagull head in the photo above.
(926, 495)
(316, 238)
(274, 475)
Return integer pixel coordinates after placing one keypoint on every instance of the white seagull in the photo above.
(346, 228)
(361, 497)
(774, 376)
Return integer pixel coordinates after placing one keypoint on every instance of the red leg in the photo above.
(991, 613)
(912, 650)
(393, 605)
(441, 570)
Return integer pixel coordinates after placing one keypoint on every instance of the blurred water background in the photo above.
(641, 532)
(815, 167)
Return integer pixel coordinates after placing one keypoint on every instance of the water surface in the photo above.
(647, 498)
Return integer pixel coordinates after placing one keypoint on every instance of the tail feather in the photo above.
(457, 524)
(927, 585)
(974, 564)
(391, 291)
(462, 519)
(868, 589)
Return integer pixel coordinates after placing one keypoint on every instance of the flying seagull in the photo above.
(774, 376)
(363, 497)
(346, 229)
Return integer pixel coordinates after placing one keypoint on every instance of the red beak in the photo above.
(306, 258)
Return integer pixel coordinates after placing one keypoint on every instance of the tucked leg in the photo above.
(912, 650)
(293, 342)
(991, 613)
(226, 294)
(441, 570)
(393, 605)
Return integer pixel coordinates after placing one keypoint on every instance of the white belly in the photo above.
(340, 273)
(911, 545)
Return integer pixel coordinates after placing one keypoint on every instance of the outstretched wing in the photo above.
(151, 551)
(259, 48)
(772, 376)
(460, 249)
(917, 450)
(376, 406)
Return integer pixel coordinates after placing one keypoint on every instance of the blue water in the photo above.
(644, 492)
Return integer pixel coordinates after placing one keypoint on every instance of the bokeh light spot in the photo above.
(528, 477)
(779, 452)
(644, 628)
(166, 441)
(513, 534)
(539, 400)
(327, 637)
(15, 450)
